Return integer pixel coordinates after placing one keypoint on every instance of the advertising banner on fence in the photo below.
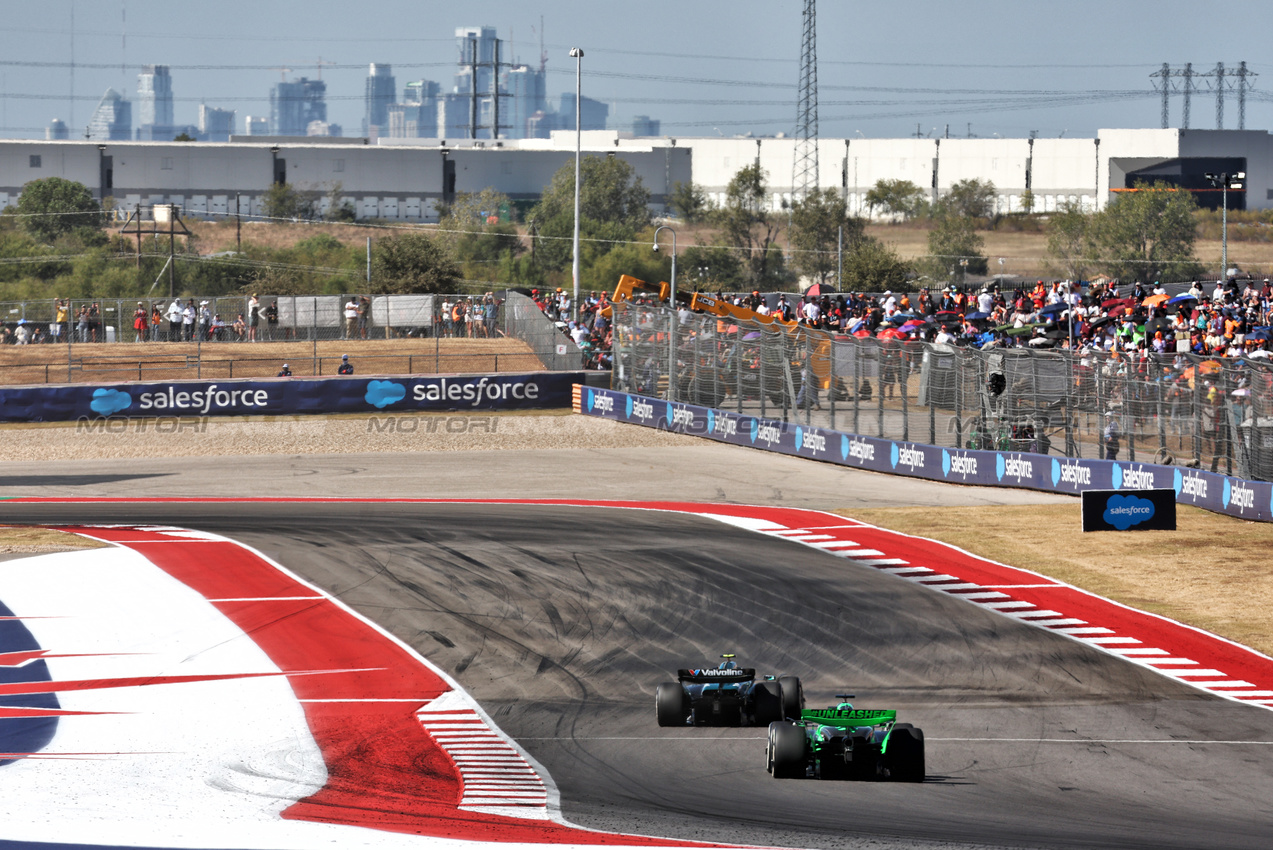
(1212, 491)
(287, 396)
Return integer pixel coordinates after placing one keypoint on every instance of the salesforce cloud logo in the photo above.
(844, 447)
(629, 407)
(1123, 512)
(108, 402)
(999, 467)
(893, 455)
(381, 394)
(799, 438)
(755, 429)
(1116, 477)
(591, 400)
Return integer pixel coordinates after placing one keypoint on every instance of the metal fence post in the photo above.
(831, 384)
(857, 385)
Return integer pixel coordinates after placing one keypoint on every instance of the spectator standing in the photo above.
(254, 316)
(351, 317)
(364, 316)
(141, 319)
(22, 335)
(94, 321)
(174, 320)
(61, 318)
(187, 321)
(345, 368)
(1111, 436)
(240, 328)
(81, 324)
(156, 322)
(286, 371)
(448, 322)
(205, 320)
(271, 320)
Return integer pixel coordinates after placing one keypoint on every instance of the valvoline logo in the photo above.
(108, 402)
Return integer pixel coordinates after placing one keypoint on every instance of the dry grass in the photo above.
(105, 363)
(1213, 572)
(35, 541)
(215, 236)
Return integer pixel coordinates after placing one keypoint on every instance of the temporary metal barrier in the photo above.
(1211, 413)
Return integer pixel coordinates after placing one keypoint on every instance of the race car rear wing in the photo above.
(703, 675)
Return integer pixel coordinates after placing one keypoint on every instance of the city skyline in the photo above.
(1000, 69)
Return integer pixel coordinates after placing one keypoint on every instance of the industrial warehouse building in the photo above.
(407, 179)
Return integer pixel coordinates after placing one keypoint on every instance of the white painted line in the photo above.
(1084, 630)
(1004, 606)
(1039, 613)
(901, 571)
(1138, 650)
(865, 553)
(980, 596)
(837, 544)
(1225, 686)
(1154, 662)
(875, 562)
(942, 584)
(1101, 641)
(1062, 621)
(270, 599)
(1182, 674)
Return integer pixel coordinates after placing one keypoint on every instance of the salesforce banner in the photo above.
(1212, 491)
(287, 396)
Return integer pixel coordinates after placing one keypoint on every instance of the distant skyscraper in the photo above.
(380, 93)
(644, 125)
(154, 96)
(112, 121)
(417, 116)
(322, 128)
(255, 125)
(594, 112)
(525, 88)
(215, 125)
(56, 130)
(294, 105)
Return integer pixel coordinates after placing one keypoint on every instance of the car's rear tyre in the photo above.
(786, 756)
(766, 703)
(906, 753)
(669, 703)
(792, 695)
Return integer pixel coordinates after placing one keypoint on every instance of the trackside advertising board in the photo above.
(1115, 510)
(1211, 491)
(287, 396)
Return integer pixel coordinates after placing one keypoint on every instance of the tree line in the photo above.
(53, 243)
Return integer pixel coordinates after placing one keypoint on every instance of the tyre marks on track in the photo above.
(1174, 650)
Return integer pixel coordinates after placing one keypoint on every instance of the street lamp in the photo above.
(1225, 181)
(577, 54)
(671, 337)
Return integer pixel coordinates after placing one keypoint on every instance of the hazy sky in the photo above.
(1004, 67)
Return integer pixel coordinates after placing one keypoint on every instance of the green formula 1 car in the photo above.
(844, 742)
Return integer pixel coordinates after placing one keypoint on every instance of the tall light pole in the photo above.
(577, 54)
(1225, 181)
(672, 322)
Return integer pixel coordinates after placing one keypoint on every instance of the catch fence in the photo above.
(1212, 413)
(106, 347)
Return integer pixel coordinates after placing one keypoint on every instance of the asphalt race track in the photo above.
(561, 621)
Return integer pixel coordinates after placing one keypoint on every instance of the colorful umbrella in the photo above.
(1155, 300)
(1182, 298)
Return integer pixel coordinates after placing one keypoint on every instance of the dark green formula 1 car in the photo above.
(844, 742)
